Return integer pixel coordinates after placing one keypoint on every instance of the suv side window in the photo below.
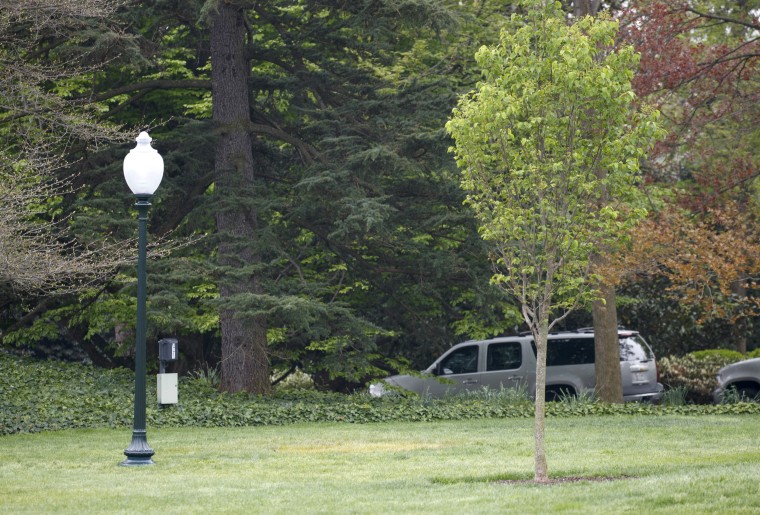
(504, 356)
(568, 351)
(461, 361)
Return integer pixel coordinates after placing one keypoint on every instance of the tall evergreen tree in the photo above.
(342, 241)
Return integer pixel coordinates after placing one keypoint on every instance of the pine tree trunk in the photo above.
(245, 363)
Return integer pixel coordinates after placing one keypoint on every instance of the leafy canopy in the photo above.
(549, 145)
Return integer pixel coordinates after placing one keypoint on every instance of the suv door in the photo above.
(459, 371)
(504, 366)
(569, 364)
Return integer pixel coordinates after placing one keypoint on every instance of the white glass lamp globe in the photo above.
(143, 167)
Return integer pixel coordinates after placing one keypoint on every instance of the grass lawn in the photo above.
(667, 464)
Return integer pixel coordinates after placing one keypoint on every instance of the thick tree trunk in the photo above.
(609, 387)
(585, 7)
(245, 363)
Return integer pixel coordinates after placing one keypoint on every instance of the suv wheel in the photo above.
(557, 393)
(746, 392)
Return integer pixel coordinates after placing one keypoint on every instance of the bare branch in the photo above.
(724, 19)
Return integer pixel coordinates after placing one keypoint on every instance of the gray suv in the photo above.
(510, 362)
(743, 376)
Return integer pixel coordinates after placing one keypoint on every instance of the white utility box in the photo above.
(167, 390)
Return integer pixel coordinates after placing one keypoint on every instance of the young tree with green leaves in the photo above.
(550, 132)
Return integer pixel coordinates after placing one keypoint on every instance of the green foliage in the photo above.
(512, 396)
(696, 372)
(477, 320)
(549, 145)
(48, 395)
(210, 376)
(734, 396)
(47, 49)
(583, 398)
(297, 381)
(675, 396)
(366, 252)
(672, 327)
(728, 355)
(360, 211)
(42, 328)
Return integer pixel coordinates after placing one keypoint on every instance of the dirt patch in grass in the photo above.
(561, 480)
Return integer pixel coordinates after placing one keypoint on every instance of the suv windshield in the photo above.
(634, 348)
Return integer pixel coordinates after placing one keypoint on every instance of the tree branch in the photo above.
(724, 19)
(727, 59)
(153, 84)
(307, 152)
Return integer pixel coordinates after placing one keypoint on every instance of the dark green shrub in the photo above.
(731, 356)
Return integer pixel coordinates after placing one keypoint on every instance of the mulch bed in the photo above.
(560, 480)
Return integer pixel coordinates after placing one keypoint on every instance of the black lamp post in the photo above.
(143, 170)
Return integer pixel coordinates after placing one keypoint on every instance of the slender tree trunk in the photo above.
(541, 472)
(245, 363)
(609, 386)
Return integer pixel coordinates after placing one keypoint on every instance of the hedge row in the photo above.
(42, 396)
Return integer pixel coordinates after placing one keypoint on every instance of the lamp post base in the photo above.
(138, 452)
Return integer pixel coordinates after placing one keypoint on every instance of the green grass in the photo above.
(667, 464)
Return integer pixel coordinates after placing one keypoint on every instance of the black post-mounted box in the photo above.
(167, 349)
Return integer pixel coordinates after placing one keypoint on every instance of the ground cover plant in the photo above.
(667, 464)
(47, 395)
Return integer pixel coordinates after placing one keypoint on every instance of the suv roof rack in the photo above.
(580, 330)
(591, 330)
(564, 331)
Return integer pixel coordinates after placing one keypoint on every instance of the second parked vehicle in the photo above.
(510, 362)
(743, 377)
